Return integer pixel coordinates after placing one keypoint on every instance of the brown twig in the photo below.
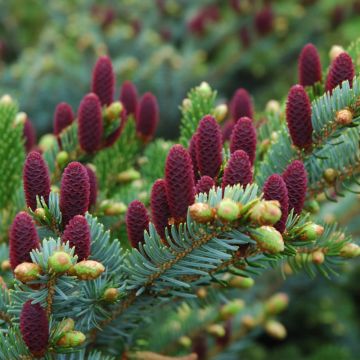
(5, 317)
(50, 295)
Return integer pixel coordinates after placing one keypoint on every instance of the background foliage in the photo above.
(47, 53)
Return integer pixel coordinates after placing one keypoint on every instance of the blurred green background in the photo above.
(47, 51)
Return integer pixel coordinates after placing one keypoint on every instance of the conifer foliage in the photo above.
(118, 234)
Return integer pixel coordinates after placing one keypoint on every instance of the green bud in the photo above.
(220, 112)
(204, 89)
(268, 239)
(228, 210)
(317, 257)
(344, 117)
(350, 250)
(272, 106)
(55, 189)
(128, 175)
(62, 159)
(276, 304)
(266, 212)
(201, 213)
(311, 232)
(66, 325)
(330, 175)
(27, 271)
(312, 206)
(216, 330)
(275, 329)
(231, 309)
(40, 214)
(5, 265)
(60, 262)
(185, 341)
(113, 111)
(6, 100)
(186, 104)
(264, 146)
(47, 142)
(20, 118)
(114, 209)
(248, 321)
(241, 282)
(72, 339)
(111, 294)
(302, 258)
(88, 269)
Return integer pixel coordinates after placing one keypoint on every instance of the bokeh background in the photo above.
(47, 51)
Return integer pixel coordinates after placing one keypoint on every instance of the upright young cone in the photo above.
(204, 184)
(179, 182)
(295, 177)
(209, 147)
(309, 66)
(341, 69)
(243, 137)
(241, 105)
(264, 21)
(75, 191)
(22, 239)
(90, 129)
(238, 170)
(192, 152)
(34, 328)
(36, 179)
(159, 207)
(147, 116)
(63, 117)
(77, 233)
(275, 189)
(93, 186)
(29, 135)
(227, 130)
(298, 117)
(103, 80)
(137, 220)
(128, 97)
